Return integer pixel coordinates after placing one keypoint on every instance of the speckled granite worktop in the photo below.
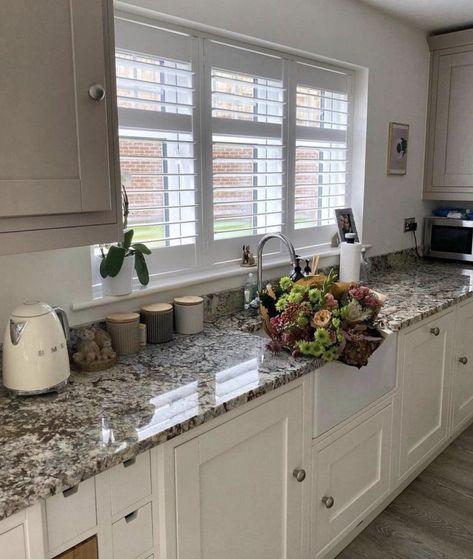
(50, 443)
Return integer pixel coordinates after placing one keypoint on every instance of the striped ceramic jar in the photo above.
(159, 322)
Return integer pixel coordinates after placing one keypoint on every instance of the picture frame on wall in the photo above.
(346, 223)
(398, 144)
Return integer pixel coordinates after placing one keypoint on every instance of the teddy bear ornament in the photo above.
(94, 352)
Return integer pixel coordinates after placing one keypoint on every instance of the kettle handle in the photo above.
(61, 314)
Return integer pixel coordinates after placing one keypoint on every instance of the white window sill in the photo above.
(164, 285)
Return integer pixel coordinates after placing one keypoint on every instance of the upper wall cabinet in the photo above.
(449, 152)
(58, 147)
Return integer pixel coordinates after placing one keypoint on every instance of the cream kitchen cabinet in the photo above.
(449, 148)
(239, 487)
(425, 380)
(351, 476)
(58, 138)
(462, 389)
(22, 535)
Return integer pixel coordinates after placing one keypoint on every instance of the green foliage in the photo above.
(141, 268)
(112, 261)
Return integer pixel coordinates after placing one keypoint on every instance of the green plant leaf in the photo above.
(140, 247)
(114, 260)
(103, 267)
(141, 268)
(127, 238)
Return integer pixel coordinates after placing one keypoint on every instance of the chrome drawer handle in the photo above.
(129, 462)
(72, 491)
(328, 501)
(435, 331)
(299, 474)
(463, 360)
(97, 92)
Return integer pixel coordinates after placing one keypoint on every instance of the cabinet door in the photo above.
(12, 543)
(425, 362)
(235, 491)
(350, 476)
(453, 137)
(54, 139)
(463, 366)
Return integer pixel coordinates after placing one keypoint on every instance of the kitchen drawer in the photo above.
(71, 513)
(12, 544)
(130, 482)
(132, 535)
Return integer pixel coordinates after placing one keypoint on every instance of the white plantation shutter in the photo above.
(156, 104)
(247, 160)
(223, 142)
(321, 170)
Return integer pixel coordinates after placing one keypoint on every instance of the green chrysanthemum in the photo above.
(295, 297)
(281, 303)
(322, 336)
(331, 354)
(302, 320)
(285, 283)
(315, 296)
(314, 349)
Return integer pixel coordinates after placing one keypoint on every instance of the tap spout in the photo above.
(263, 241)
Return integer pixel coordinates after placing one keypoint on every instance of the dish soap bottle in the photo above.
(249, 289)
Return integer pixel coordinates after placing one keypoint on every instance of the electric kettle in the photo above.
(35, 357)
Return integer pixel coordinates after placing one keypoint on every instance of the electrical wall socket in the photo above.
(410, 224)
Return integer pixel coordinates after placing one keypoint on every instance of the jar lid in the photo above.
(188, 300)
(157, 308)
(123, 317)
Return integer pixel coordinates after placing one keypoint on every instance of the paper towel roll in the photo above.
(350, 258)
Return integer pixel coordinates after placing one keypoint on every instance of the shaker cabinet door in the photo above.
(236, 496)
(350, 477)
(463, 367)
(425, 372)
(453, 154)
(53, 140)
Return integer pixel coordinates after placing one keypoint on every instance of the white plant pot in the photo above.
(122, 283)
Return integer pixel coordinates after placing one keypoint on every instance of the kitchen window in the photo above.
(221, 143)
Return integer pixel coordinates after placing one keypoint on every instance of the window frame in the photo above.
(318, 237)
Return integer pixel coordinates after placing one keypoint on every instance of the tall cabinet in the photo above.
(58, 137)
(449, 149)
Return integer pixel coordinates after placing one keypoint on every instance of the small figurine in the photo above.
(107, 350)
(247, 260)
(88, 348)
(95, 352)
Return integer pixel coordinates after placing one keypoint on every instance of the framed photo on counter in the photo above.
(346, 223)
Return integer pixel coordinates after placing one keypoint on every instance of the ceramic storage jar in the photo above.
(159, 322)
(125, 332)
(189, 314)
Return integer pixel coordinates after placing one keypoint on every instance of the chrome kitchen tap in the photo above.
(256, 301)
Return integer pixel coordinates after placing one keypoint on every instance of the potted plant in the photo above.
(120, 259)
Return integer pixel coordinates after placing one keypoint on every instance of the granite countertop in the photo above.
(50, 443)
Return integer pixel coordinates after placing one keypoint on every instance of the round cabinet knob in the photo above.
(97, 92)
(435, 331)
(299, 474)
(328, 501)
(463, 360)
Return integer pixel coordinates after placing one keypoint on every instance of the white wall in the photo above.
(397, 58)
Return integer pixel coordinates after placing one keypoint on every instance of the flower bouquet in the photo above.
(318, 317)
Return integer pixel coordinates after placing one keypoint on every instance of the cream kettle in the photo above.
(35, 357)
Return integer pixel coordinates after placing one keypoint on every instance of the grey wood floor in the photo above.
(432, 518)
